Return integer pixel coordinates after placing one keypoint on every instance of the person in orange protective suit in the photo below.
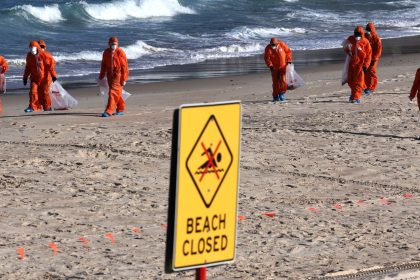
(115, 67)
(415, 89)
(360, 52)
(375, 41)
(35, 70)
(3, 65)
(3, 69)
(276, 56)
(49, 76)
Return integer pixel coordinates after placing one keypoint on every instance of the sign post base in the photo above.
(200, 273)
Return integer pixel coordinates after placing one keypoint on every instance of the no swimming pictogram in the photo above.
(209, 161)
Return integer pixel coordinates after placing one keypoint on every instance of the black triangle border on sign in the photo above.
(230, 164)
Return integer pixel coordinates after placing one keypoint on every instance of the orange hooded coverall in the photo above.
(115, 67)
(415, 89)
(35, 70)
(49, 73)
(360, 54)
(3, 65)
(375, 42)
(3, 69)
(276, 60)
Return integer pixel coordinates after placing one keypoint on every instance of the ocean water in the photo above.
(157, 35)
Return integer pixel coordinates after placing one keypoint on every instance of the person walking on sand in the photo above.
(3, 69)
(3, 65)
(360, 52)
(35, 70)
(276, 56)
(375, 41)
(50, 76)
(415, 89)
(115, 67)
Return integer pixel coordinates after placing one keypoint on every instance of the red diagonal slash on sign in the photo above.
(211, 158)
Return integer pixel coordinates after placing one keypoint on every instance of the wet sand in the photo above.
(342, 180)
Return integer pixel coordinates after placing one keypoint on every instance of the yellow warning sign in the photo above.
(207, 185)
(209, 161)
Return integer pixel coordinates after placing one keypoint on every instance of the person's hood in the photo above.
(35, 44)
(274, 41)
(371, 27)
(42, 43)
(360, 30)
(113, 40)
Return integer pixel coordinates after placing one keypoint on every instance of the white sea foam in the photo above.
(126, 9)
(309, 15)
(140, 49)
(16, 61)
(402, 3)
(51, 13)
(246, 33)
(230, 51)
(83, 55)
(134, 51)
(238, 49)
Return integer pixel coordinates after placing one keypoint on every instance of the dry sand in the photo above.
(71, 174)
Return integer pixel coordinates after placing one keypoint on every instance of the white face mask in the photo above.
(34, 50)
(114, 47)
(368, 33)
(274, 47)
(358, 38)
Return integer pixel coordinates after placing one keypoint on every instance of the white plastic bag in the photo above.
(104, 89)
(60, 98)
(293, 80)
(2, 84)
(345, 74)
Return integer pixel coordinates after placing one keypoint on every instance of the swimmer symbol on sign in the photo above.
(209, 161)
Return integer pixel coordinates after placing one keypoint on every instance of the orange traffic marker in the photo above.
(85, 241)
(111, 237)
(21, 253)
(385, 201)
(270, 214)
(54, 248)
(360, 202)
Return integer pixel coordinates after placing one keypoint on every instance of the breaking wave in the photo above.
(126, 9)
(246, 33)
(133, 51)
(112, 11)
(46, 13)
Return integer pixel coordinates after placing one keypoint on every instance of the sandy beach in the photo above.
(341, 181)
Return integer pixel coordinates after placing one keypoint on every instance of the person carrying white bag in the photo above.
(3, 69)
(293, 80)
(104, 89)
(345, 73)
(60, 98)
(114, 67)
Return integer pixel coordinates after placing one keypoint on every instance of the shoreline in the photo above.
(303, 59)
